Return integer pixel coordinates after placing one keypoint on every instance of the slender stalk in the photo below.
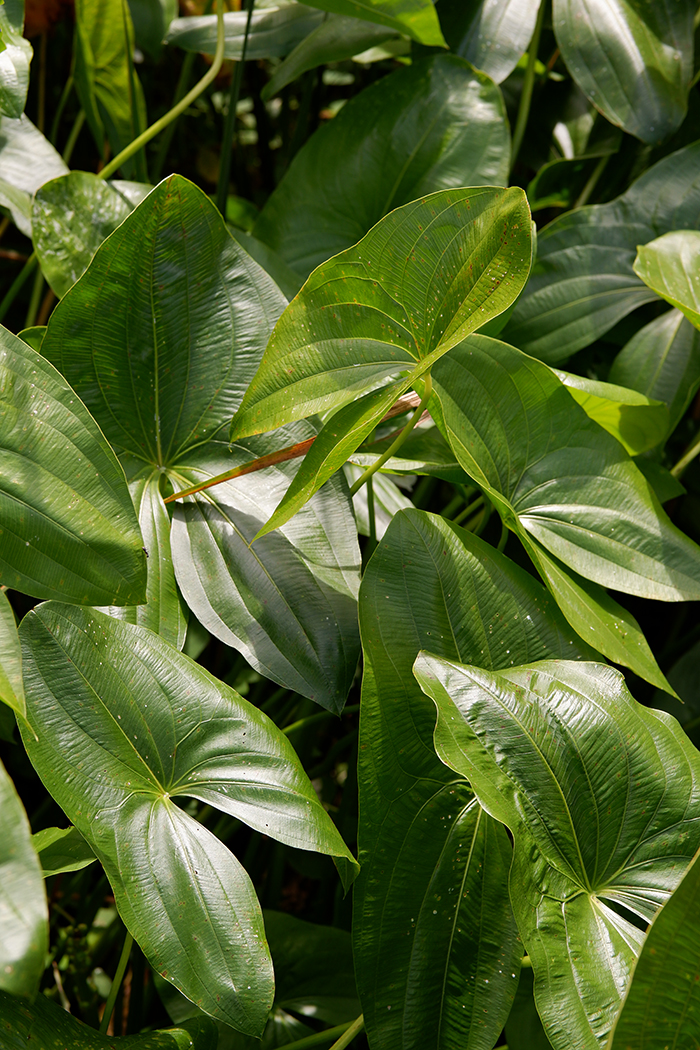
(687, 458)
(230, 123)
(17, 285)
(592, 182)
(371, 515)
(73, 137)
(503, 538)
(35, 300)
(116, 983)
(181, 106)
(309, 1042)
(469, 510)
(396, 445)
(67, 88)
(41, 102)
(164, 146)
(320, 717)
(528, 84)
(355, 1028)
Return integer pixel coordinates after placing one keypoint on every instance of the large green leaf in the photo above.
(669, 266)
(45, 1025)
(27, 161)
(633, 60)
(557, 476)
(662, 360)
(274, 30)
(662, 1004)
(23, 912)
(14, 59)
(436, 125)
(432, 920)
(491, 34)
(11, 687)
(602, 797)
(126, 722)
(71, 217)
(416, 18)
(583, 282)
(68, 525)
(110, 92)
(288, 603)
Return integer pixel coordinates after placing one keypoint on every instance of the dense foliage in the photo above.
(338, 703)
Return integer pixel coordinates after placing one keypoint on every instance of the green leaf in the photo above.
(436, 125)
(596, 617)
(634, 61)
(669, 266)
(422, 943)
(109, 696)
(274, 31)
(662, 1004)
(172, 282)
(581, 775)
(51, 1028)
(23, 912)
(14, 59)
(71, 217)
(287, 280)
(151, 19)
(637, 422)
(33, 336)
(27, 161)
(60, 850)
(11, 688)
(109, 90)
(556, 475)
(417, 18)
(68, 525)
(491, 34)
(164, 611)
(288, 603)
(662, 360)
(425, 451)
(334, 40)
(583, 282)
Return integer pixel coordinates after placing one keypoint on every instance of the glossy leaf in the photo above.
(436, 125)
(68, 524)
(110, 92)
(23, 912)
(662, 1005)
(109, 696)
(417, 18)
(14, 59)
(335, 39)
(583, 282)
(491, 34)
(46, 1025)
(669, 266)
(634, 61)
(638, 423)
(602, 797)
(430, 925)
(11, 688)
(165, 611)
(556, 475)
(274, 31)
(71, 217)
(27, 161)
(151, 19)
(288, 603)
(662, 361)
(61, 850)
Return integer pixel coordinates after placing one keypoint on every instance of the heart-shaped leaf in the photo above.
(669, 265)
(432, 921)
(126, 722)
(11, 687)
(68, 524)
(24, 916)
(583, 282)
(14, 59)
(602, 797)
(633, 61)
(436, 125)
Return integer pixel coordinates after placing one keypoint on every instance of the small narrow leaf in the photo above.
(60, 850)
(417, 18)
(11, 687)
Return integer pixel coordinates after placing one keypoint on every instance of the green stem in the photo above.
(73, 137)
(355, 1028)
(35, 300)
(116, 983)
(230, 123)
(67, 88)
(17, 285)
(528, 84)
(396, 445)
(164, 146)
(309, 1042)
(181, 106)
(503, 538)
(592, 181)
(688, 456)
(469, 510)
(320, 717)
